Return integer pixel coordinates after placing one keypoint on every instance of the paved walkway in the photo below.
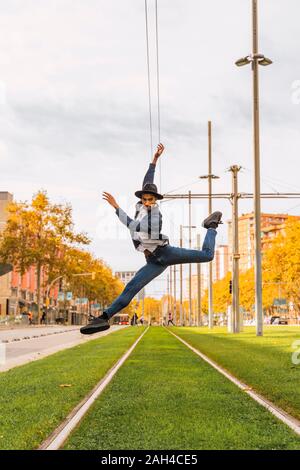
(18, 350)
(8, 335)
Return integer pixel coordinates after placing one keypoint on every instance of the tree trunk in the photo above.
(39, 269)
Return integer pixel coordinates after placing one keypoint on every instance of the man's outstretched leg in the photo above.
(170, 255)
(142, 277)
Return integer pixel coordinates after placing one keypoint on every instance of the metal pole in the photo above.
(182, 320)
(175, 295)
(171, 290)
(236, 327)
(168, 290)
(190, 266)
(257, 207)
(199, 319)
(210, 276)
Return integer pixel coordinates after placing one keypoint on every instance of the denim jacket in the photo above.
(146, 232)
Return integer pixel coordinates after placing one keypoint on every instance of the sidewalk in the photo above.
(8, 335)
(19, 351)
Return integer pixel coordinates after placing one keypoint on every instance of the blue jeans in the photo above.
(157, 263)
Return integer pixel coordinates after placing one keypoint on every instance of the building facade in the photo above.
(271, 226)
(220, 262)
(5, 281)
(18, 293)
(220, 266)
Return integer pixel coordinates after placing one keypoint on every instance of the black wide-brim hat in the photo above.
(149, 188)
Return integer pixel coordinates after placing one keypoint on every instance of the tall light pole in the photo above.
(256, 59)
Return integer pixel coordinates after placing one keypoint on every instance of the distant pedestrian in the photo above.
(30, 317)
(134, 319)
(170, 319)
(43, 318)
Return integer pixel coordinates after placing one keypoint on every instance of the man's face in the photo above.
(148, 200)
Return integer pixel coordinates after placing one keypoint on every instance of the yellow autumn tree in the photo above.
(34, 234)
(282, 263)
(152, 309)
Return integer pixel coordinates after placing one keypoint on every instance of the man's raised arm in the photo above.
(133, 225)
(149, 176)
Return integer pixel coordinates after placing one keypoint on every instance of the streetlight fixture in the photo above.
(256, 59)
(260, 58)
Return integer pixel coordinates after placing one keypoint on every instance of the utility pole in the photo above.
(199, 316)
(182, 320)
(210, 177)
(143, 306)
(168, 291)
(171, 290)
(210, 283)
(175, 295)
(235, 311)
(190, 265)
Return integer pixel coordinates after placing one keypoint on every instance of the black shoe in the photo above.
(213, 220)
(98, 324)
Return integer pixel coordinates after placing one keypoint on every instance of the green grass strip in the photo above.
(264, 363)
(165, 397)
(33, 403)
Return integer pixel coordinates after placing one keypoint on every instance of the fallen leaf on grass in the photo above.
(66, 385)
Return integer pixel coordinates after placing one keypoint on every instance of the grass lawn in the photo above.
(165, 397)
(264, 363)
(32, 402)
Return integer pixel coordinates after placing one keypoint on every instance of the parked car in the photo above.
(277, 320)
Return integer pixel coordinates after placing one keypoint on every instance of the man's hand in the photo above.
(159, 151)
(110, 199)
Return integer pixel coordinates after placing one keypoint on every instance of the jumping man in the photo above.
(145, 230)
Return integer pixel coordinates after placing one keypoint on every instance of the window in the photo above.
(14, 292)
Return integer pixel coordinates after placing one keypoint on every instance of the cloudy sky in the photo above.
(74, 116)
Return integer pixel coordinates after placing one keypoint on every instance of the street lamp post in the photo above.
(256, 59)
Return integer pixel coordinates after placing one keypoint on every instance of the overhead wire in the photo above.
(274, 180)
(157, 83)
(158, 88)
(149, 82)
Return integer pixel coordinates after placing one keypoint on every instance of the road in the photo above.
(20, 346)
